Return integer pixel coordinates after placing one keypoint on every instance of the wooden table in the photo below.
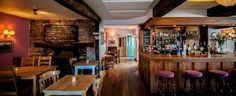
(71, 85)
(84, 65)
(32, 73)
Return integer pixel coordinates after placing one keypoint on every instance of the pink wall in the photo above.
(20, 40)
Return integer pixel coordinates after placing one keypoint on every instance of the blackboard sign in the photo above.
(146, 38)
(61, 33)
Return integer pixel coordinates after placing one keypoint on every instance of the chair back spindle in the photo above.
(44, 60)
(27, 61)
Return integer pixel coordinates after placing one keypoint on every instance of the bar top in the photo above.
(190, 58)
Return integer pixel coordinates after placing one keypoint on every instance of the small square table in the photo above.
(85, 65)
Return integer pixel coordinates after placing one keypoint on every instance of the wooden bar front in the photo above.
(150, 64)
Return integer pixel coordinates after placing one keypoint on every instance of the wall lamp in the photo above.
(7, 33)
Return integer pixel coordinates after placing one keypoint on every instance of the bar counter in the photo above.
(151, 63)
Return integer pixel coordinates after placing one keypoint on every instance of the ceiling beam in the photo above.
(220, 10)
(165, 6)
(80, 7)
(186, 21)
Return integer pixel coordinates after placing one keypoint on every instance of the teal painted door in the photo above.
(130, 46)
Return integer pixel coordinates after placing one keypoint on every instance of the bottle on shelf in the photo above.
(209, 49)
(184, 49)
(204, 47)
(195, 48)
(201, 48)
(178, 48)
(189, 50)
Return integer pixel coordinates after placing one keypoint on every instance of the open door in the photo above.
(130, 46)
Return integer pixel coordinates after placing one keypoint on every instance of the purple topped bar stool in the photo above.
(221, 82)
(194, 76)
(167, 83)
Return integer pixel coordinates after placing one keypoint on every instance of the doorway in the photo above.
(122, 46)
(127, 46)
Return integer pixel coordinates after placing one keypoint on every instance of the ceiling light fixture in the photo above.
(226, 3)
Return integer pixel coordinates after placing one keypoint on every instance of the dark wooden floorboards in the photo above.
(124, 81)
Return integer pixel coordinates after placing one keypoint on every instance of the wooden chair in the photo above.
(72, 62)
(43, 82)
(118, 56)
(8, 75)
(97, 85)
(54, 75)
(109, 61)
(27, 61)
(47, 79)
(44, 60)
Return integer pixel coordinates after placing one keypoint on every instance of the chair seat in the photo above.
(219, 73)
(193, 73)
(166, 74)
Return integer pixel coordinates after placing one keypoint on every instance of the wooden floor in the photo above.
(124, 81)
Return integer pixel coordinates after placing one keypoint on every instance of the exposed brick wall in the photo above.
(86, 29)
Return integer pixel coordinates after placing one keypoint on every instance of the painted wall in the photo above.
(102, 47)
(136, 54)
(20, 40)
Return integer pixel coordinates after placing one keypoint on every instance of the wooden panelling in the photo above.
(166, 21)
(150, 64)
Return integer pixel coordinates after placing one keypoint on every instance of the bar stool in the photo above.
(221, 82)
(167, 82)
(194, 76)
(234, 81)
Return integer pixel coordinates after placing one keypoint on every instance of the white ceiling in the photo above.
(112, 12)
(47, 9)
(192, 8)
(121, 9)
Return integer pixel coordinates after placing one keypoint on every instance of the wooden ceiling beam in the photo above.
(80, 7)
(220, 10)
(165, 6)
(185, 21)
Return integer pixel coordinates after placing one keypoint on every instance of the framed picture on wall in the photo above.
(111, 42)
(6, 46)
